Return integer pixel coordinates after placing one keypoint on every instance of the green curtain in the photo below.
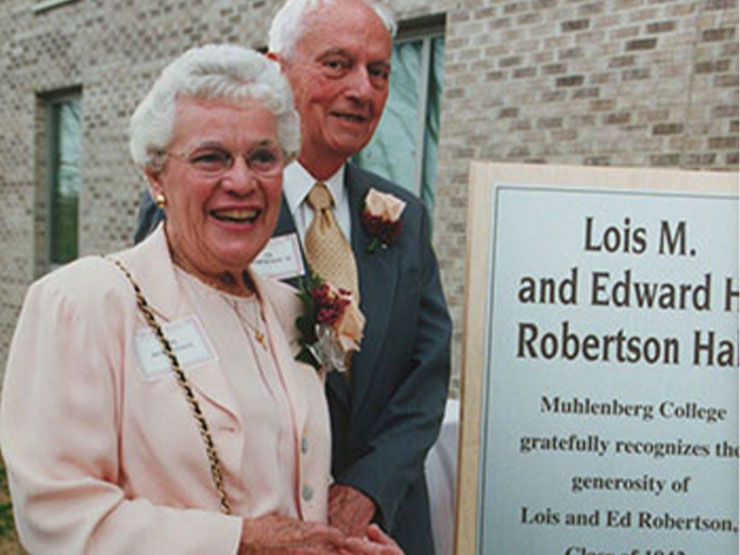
(392, 153)
(431, 129)
(66, 181)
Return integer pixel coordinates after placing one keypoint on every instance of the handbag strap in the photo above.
(182, 379)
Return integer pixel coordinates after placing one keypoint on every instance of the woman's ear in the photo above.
(154, 178)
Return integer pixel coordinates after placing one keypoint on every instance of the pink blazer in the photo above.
(102, 458)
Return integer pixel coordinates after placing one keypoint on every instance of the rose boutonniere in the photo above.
(331, 324)
(381, 218)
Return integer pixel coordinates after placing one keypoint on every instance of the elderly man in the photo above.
(386, 413)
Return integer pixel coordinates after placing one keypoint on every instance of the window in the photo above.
(63, 175)
(404, 147)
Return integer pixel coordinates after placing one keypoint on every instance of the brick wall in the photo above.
(618, 82)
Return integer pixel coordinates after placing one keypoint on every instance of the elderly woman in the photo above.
(151, 401)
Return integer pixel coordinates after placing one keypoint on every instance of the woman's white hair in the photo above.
(289, 23)
(213, 72)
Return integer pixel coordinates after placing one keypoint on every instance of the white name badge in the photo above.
(281, 258)
(188, 341)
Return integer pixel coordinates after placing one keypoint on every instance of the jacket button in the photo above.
(304, 445)
(307, 493)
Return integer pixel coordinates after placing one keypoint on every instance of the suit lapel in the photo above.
(286, 226)
(151, 266)
(377, 276)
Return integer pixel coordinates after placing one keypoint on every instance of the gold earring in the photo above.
(160, 201)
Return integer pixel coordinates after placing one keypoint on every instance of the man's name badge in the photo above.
(188, 341)
(281, 258)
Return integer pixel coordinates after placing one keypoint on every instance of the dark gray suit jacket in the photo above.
(385, 420)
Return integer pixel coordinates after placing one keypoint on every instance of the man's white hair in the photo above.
(212, 72)
(289, 24)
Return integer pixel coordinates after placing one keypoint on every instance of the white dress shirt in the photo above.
(297, 184)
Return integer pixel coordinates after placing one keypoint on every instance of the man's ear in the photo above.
(274, 56)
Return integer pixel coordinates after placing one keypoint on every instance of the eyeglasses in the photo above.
(264, 160)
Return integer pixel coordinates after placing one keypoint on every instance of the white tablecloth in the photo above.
(441, 473)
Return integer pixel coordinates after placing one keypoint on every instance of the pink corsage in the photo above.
(381, 218)
(331, 325)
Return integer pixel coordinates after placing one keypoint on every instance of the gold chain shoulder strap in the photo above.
(200, 419)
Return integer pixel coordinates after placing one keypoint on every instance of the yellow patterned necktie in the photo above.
(327, 250)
